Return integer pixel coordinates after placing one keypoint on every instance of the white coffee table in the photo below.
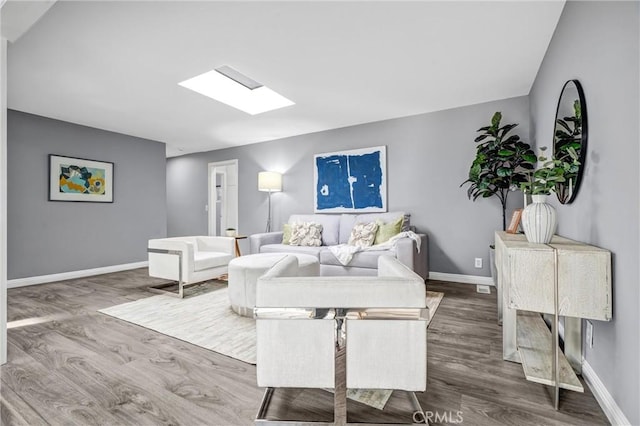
(244, 272)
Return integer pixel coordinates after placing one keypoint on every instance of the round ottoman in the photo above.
(244, 272)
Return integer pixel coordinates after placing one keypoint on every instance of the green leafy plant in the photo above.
(544, 180)
(501, 164)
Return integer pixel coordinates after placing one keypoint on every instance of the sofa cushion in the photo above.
(306, 234)
(286, 233)
(363, 259)
(347, 221)
(285, 248)
(330, 225)
(206, 260)
(363, 234)
(388, 230)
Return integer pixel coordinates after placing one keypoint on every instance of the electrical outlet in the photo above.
(590, 334)
(479, 262)
(483, 289)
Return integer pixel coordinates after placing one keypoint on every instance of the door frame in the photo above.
(211, 187)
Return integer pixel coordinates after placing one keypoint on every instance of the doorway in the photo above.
(223, 197)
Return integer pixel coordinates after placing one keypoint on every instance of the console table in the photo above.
(564, 278)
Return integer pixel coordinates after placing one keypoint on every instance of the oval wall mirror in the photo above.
(570, 137)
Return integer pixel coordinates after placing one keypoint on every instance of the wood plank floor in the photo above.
(70, 365)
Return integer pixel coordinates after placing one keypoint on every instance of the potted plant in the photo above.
(502, 163)
(230, 232)
(539, 218)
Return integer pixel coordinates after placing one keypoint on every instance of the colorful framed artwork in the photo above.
(79, 179)
(351, 181)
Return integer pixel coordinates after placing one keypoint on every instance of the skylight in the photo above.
(226, 85)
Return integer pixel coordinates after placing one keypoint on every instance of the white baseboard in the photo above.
(42, 279)
(459, 278)
(604, 398)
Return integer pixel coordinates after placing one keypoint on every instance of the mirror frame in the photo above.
(583, 142)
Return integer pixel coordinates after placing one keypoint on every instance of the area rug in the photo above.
(206, 320)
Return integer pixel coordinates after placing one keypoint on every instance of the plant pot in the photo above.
(539, 220)
(230, 232)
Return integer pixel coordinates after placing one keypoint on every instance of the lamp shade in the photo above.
(269, 181)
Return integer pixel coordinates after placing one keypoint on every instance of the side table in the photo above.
(239, 237)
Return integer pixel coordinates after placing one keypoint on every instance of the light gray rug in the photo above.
(206, 320)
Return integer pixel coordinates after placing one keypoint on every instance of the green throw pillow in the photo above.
(286, 234)
(388, 230)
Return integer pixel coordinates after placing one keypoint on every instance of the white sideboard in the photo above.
(564, 278)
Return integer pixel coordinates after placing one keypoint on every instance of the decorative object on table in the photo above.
(79, 179)
(351, 181)
(570, 138)
(500, 165)
(269, 182)
(539, 218)
(515, 221)
(230, 232)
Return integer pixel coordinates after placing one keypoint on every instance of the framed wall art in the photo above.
(351, 181)
(79, 179)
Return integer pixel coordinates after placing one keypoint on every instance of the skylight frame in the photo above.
(219, 85)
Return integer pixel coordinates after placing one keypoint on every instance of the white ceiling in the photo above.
(116, 65)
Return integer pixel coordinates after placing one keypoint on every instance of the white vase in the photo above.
(539, 220)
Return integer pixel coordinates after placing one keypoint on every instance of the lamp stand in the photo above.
(269, 215)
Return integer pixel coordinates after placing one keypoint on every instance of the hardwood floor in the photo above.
(70, 365)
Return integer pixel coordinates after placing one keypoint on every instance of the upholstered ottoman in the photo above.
(244, 272)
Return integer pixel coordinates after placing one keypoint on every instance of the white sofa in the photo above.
(189, 260)
(381, 322)
(336, 229)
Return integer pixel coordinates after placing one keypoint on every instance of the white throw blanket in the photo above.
(344, 252)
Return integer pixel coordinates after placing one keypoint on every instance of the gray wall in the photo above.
(597, 43)
(428, 156)
(47, 237)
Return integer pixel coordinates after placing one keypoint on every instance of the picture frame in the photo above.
(80, 179)
(515, 222)
(351, 181)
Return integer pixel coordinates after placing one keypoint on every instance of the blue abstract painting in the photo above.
(349, 181)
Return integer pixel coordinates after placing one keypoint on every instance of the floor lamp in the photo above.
(269, 182)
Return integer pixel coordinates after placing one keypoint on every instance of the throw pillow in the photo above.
(306, 234)
(363, 234)
(388, 230)
(286, 234)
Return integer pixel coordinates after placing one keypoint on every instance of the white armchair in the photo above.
(297, 346)
(189, 260)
